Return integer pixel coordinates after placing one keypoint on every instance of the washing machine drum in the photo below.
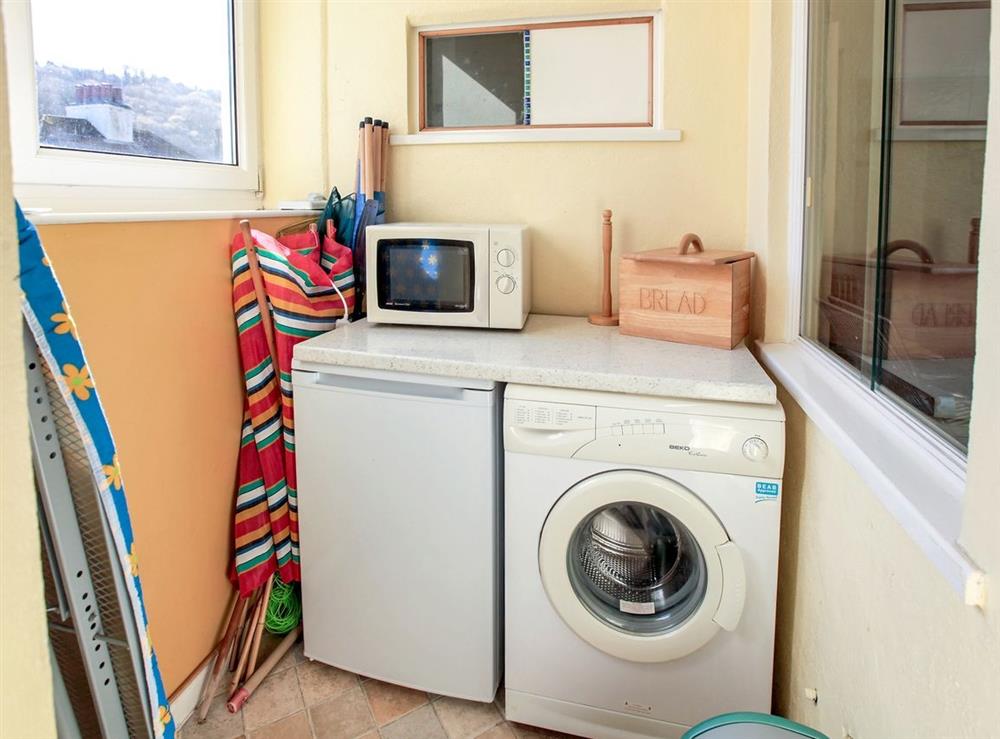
(637, 567)
(640, 567)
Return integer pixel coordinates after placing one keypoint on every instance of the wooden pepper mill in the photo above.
(605, 317)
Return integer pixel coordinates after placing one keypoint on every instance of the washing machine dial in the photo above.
(755, 449)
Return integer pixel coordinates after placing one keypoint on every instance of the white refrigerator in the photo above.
(400, 511)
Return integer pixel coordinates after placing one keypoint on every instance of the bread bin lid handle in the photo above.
(688, 240)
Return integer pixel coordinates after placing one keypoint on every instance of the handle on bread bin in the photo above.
(909, 245)
(690, 239)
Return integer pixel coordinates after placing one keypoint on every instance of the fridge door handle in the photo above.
(399, 388)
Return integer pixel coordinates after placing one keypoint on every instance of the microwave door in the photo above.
(429, 276)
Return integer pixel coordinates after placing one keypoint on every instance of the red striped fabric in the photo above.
(299, 277)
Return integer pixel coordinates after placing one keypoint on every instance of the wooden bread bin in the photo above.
(700, 297)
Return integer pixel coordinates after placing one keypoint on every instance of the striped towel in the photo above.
(299, 276)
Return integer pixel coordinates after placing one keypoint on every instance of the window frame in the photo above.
(648, 19)
(894, 453)
(74, 178)
(652, 131)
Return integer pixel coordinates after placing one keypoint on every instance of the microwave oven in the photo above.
(438, 274)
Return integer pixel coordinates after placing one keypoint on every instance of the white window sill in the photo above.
(535, 135)
(46, 218)
(921, 487)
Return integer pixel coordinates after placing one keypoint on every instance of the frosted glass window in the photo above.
(591, 75)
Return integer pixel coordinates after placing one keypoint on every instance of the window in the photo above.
(133, 94)
(569, 73)
(114, 91)
(896, 116)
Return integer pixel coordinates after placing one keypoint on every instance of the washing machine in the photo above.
(641, 560)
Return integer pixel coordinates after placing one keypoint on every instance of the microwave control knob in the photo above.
(505, 257)
(755, 449)
(506, 284)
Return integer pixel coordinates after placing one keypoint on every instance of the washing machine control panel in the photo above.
(675, 440)
(555, 416)
(555, 429)
(744, 446)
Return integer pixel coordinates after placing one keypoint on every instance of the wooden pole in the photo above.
(234, 654)
(369, 173)
(251, 631)
(221, 657)
(261, 293)
(385, 154)
(605, 317)
(240, 697)
(225, 621)
(376, 156)
(361, 157)
(252, 664)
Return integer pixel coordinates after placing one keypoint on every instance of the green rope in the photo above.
(283, 608)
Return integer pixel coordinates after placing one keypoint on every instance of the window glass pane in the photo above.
(136, 77)
(894, 197)
(475, 80)
(934, 196)
(843, 166)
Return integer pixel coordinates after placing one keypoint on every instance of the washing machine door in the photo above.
(639, 567)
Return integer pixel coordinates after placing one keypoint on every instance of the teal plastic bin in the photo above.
(747, 725)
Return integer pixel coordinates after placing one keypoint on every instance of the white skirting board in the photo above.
(184, 702)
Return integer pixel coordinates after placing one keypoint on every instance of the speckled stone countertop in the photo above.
(556, 351)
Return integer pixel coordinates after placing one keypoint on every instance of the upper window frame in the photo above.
(46, 172)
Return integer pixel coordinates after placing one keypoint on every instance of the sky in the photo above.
(184, 40)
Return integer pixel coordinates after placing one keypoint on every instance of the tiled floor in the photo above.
(303, 699)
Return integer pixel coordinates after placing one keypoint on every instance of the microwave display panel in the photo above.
(428, 275)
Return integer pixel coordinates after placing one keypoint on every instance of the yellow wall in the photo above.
(865, 619)
(293, 99)
(25, 677)
(153, 305)
(658, 191)
(863, 616)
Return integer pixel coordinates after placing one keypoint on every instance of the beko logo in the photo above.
(680, 447)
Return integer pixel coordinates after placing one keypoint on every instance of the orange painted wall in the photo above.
(152, 306)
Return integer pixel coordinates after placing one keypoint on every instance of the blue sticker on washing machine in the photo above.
(766, 491)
